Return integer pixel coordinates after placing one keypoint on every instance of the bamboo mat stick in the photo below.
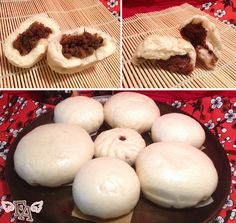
(167, 22)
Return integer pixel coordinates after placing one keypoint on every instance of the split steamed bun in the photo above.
(51, 155)
(37, 53)
(124, 144)
(106, 188)
(131, 110)
(205, 37)
(175, 175)
(59, 63)
(83, 111)
(177, 127)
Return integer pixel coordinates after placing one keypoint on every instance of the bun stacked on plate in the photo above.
(175, 175)
(51, 155)
(80, 110)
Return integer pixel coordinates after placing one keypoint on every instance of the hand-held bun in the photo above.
(204, 36)
(106, 188)
(175, 175)
(173, 54)
(131, 110)
(51, 155)
(83, 111)
(78, 49)
(121, 143)
(28, 43)
(177, 127)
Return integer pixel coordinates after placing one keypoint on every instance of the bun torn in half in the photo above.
(78, 49)
(171, 53)
(28, 43)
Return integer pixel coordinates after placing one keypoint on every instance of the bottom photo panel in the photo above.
(118, 156)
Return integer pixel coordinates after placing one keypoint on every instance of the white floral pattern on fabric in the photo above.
(1, 120)
(15, 132)
(112, 3)
(177, 104)
(4, 154)
(233, 214)
(210, 124)
(228, 203)
(220, 13)
(230, 116)
(40, 111)
(2, 144)
(216, 102)
(206, 5)
(219, 219)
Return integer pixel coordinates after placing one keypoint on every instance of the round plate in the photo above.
(58, 202)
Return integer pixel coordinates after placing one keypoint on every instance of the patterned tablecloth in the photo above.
(217, 112)
(224, 10)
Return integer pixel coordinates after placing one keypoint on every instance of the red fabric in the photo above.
(216, 111)
(113, 6)
(224, 10)
(131, 8)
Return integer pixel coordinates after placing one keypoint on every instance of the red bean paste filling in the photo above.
(178, 64)
(197, 34)
(28, 40)
(80, 46)
(122, 138)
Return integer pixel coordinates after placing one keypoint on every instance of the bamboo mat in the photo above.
(69, 14)
(167, 22)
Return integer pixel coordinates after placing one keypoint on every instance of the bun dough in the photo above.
(157, 47)
(36, 54)
(61, 64)
(51, 155)
(131, 110)
(83, 111)
(213, 40)
(124, 144)
(175, 175)
(106, 188)
(176, 127)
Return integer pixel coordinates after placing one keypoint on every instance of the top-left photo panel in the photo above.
(60, 44)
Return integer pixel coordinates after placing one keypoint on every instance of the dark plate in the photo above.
(58, 202)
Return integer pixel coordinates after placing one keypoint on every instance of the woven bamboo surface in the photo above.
(149, 75)
(69, 14)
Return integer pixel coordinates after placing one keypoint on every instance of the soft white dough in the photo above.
(176, 127)
(175, 175)
(156, 47)
(51, 155)
(83, 111)
(61, 64)
(131, 110)
(36, 54)
(106, 188)
(122, 143)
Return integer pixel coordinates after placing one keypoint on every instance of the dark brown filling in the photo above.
(178, 64)
(197, 34)
(80, 46)
(28, 40)
(122, 138)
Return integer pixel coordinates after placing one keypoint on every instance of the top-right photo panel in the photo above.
(179, 44)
